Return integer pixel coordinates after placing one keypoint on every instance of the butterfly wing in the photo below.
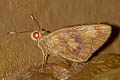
(79, 42)
(99, 34)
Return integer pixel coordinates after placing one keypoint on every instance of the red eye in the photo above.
(36, 35)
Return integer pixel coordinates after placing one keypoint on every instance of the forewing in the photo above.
(79, 42)
(71, 44)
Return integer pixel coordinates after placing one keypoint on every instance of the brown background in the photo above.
(19, 52)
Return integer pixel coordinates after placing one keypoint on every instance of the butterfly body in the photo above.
(76, 43)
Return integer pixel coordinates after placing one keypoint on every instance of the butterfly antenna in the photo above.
(19, 32)
(32, 16)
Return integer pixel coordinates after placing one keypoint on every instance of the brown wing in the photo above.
(79, 42)
(98, 33)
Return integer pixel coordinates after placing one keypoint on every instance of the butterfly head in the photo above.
(35, 35)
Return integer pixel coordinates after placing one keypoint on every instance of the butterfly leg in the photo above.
(62, 59)
(43, 60)
(44, 56)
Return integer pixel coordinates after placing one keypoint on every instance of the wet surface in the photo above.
(21, 58)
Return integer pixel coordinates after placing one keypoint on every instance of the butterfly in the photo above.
(75, 43)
